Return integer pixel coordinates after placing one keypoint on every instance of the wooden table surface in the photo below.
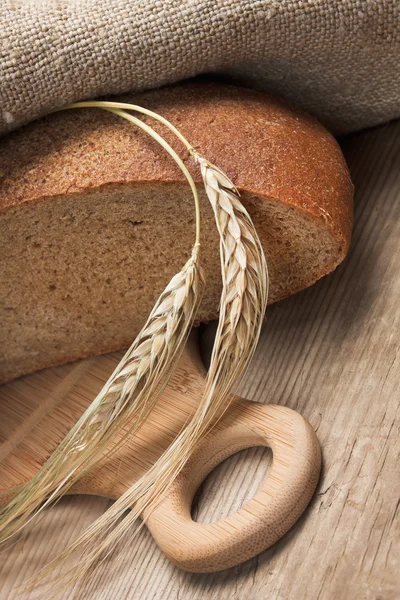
(330, 353)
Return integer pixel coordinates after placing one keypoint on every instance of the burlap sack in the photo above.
(339, 59)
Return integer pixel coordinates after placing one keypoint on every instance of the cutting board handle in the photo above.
(288, 488)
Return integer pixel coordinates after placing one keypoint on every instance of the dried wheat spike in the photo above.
(244, 273)
(128, 396)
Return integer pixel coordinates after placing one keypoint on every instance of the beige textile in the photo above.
(339, 59)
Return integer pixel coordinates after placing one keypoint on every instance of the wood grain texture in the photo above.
(331, 353)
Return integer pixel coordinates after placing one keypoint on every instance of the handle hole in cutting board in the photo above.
(231, 484)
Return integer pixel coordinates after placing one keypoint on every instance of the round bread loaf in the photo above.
(95, 217)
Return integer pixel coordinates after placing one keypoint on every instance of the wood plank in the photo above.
(331, 353)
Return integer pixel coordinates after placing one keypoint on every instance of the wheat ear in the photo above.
(129, 394)
(242, 308)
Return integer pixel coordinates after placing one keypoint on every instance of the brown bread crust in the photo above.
(236, 128)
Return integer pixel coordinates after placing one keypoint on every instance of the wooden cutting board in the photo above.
(31, 428)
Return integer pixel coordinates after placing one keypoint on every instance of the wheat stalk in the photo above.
(129, 394)
(243, 302)
(242, 308)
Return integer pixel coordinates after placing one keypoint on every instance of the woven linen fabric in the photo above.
(338, 59)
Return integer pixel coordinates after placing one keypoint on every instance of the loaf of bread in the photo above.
(95, 217)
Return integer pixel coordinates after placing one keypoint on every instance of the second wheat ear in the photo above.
(242, 307)
(129, 394)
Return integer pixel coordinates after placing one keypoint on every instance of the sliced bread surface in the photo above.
(95, 217)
